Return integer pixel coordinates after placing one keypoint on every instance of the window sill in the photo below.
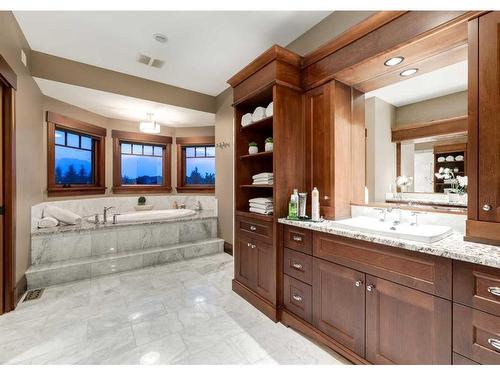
(139, 189)
(75, 191)
(196, 189)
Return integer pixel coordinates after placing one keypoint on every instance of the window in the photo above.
(141, 162)
(75, 157)
(195, 164)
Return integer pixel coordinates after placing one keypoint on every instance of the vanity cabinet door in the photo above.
(339, 304)
(244, 263)
(405, 326)
(265, 261)
(489, 118)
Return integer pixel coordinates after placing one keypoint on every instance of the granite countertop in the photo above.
(426, 202)
(87, 226)
(453, 246)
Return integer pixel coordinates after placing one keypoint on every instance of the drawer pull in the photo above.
(370, 287)
(495, 290)
(296, 297)
(297, 266)
(358, 283)
(297, 238)
(253, 228)
(494, 342)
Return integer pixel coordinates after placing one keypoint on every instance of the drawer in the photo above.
(298, 239)
(461, 360)
(298, 265)
(477, 286)
(476, 335)
(297, 298)
(258, 229)
(424, 272)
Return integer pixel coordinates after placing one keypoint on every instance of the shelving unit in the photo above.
(444, 151)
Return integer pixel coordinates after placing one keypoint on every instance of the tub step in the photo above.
(47, 274)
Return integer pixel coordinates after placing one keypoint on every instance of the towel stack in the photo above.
(263, 179)
(262, 206)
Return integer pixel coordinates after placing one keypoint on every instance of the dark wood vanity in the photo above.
(372, 303)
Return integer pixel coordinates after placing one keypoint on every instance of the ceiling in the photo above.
(203, 50)
(124, 107)
(440, 82)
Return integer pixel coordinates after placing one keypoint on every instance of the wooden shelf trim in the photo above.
(257, 155)
(256, 186)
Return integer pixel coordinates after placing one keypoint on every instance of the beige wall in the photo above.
(29, 133)
(50, 104)
(447, 106)
(330, 27)
(224, 185)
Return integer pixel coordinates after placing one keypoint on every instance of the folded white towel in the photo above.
(267, 206)
(47, 222)
(246, 119)
(269, 110)
(260, 211)
(64, 216)
(259, 114)
(261, 200)
(263, 182)
(262, 175)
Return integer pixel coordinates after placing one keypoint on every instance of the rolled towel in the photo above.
(258, 114)
(246, 119)
(47, 222)
(269, 110)
(64, 216)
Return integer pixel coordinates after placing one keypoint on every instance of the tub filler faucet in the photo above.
(105, 214)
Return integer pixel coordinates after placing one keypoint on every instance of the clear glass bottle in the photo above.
(292, 207)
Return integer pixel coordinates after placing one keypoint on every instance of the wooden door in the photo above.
(339, 304)
(244, 261)
(489, 118)
(405, 326)
(265, 272)
(2, 254)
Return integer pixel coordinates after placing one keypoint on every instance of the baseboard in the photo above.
(20, 289)
(257, 301)
(290, 320)
(228, 248)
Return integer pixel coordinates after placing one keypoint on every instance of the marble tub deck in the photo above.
(179, 313)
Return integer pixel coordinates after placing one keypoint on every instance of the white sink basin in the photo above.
(419, 233)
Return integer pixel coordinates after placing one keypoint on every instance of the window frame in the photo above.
(165, 142)
(97, 134)
(181, 144)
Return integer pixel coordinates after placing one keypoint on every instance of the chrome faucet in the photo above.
(415, 215)
(383, 213)
(105, 214)
(115, 217)
(398, 220)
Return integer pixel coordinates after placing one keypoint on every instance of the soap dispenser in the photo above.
(315, 205)
(292, 207)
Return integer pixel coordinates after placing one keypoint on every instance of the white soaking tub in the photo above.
(147, 216)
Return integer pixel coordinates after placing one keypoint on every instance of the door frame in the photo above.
(8, 80)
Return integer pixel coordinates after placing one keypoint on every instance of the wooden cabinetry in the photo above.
(330, 136)
(483, 133)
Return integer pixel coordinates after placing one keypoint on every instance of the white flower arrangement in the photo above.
(404, 181)
(459, 183)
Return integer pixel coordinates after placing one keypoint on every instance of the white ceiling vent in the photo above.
(149, 61)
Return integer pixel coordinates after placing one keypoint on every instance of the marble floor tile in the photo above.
(182, 313)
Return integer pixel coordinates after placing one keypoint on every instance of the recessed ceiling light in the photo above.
(408, 72)
(394, 61)
(161, 38)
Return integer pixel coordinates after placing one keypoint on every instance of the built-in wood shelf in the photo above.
(255, 215)
(261, 124)
(257, 155)
(257, 186)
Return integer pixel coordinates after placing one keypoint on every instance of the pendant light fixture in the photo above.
(149, 126)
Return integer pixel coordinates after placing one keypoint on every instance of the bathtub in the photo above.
(145, 216)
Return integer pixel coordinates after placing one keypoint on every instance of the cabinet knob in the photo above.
(358, 283)
(296, 297)
(487, 207)
(252, 228)
(248, 244)
(251, 245)
(370, 287)
(494, 342)
(326, 197)
(495, 290)
(297, 238)
(297, 266)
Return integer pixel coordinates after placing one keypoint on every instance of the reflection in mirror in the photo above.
(416, 140)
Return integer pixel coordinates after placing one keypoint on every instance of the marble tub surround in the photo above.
(453, 220)
(90, 206)
(453, 246)
(179, 313)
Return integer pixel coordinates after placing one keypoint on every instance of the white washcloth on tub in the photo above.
(246, 119)
(269, 110)
(47, 222)
(259, 114)
(64, 216)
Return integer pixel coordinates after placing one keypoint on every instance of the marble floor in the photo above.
(180, 313)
